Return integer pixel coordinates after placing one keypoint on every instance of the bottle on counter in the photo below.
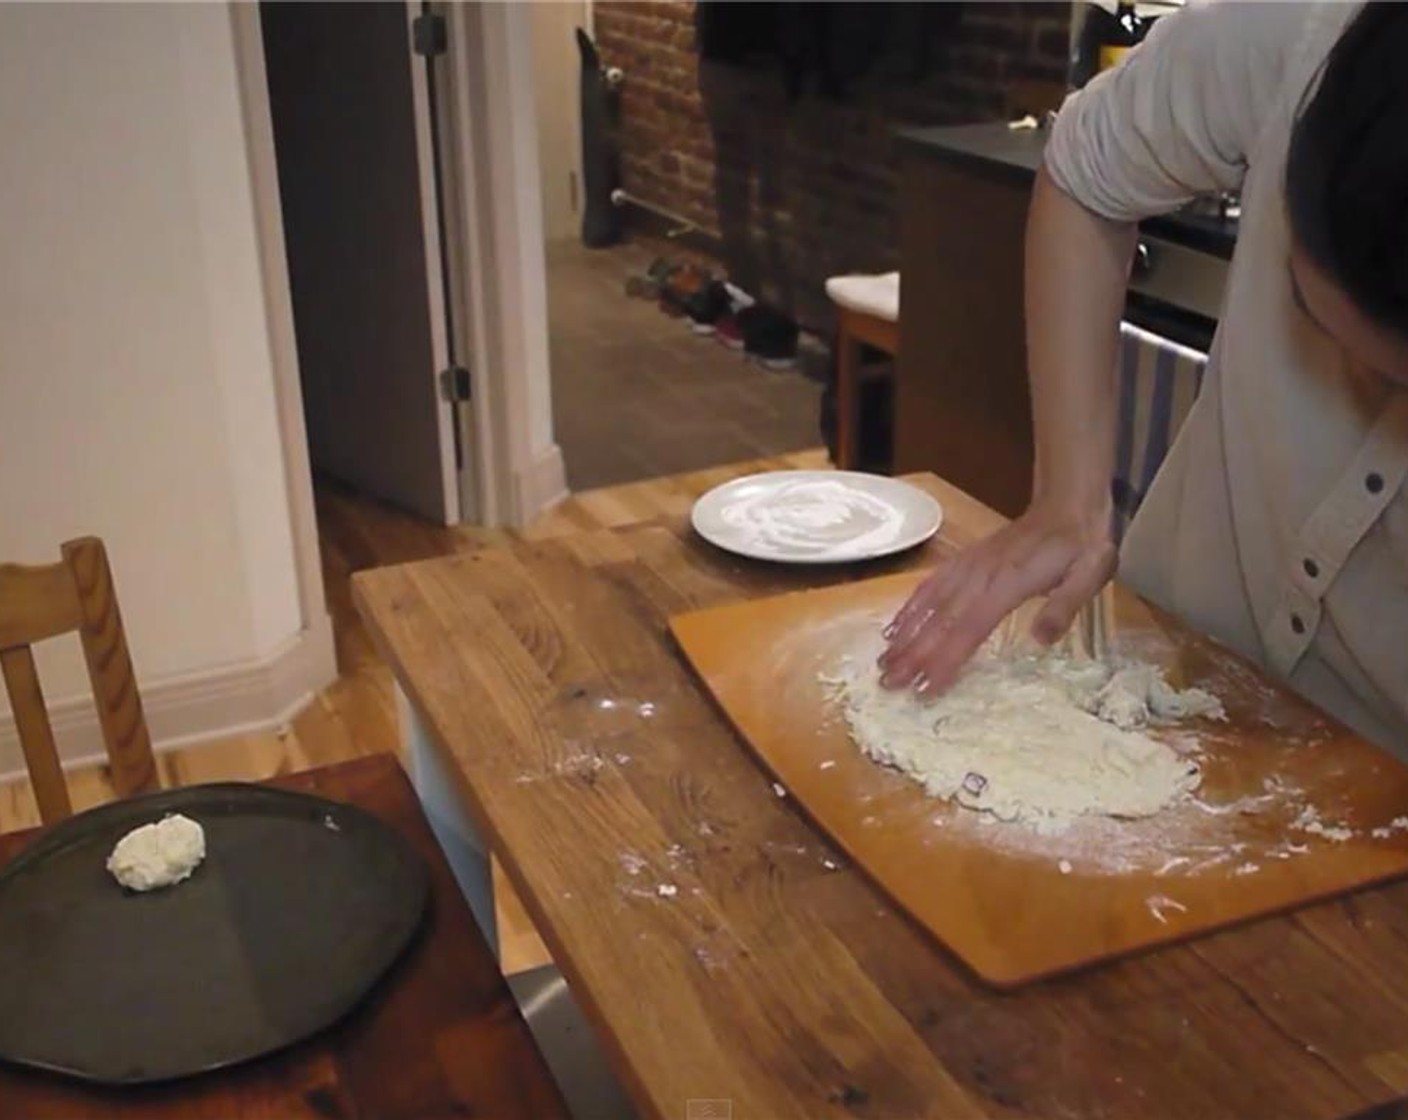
(1124, 31)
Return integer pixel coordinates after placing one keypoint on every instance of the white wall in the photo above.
(137, 393)
(520, 180)
(557, 95)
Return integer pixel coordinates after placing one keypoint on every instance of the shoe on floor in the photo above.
(737, 297)
(769, 336)
(728, 333)
(707, 306)
(682, 284)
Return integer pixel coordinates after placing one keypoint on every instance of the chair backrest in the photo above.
(43, 602)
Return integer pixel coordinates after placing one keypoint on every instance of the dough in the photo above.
(1037, 739)
(158, 854)
(1137, 694)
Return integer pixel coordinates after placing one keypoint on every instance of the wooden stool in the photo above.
(856, 328)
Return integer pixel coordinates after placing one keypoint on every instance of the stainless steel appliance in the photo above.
(1179, 276)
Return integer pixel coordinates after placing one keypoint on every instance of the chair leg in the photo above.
(847, 399)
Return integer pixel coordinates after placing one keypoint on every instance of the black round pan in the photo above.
(299, 907)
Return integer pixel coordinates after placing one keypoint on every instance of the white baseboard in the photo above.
(541, 485)
(210, 704)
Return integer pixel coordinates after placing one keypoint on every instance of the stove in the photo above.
(1223, 205)
(1180, 270)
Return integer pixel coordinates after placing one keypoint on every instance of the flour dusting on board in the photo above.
(814, 519)
(1179, 827)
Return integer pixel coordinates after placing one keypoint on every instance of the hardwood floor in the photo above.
(679, 402)
(355, 715)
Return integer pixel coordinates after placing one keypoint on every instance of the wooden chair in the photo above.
(43, 602)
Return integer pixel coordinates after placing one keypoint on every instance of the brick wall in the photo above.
(800, 190)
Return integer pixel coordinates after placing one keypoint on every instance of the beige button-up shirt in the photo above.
(1279, 521)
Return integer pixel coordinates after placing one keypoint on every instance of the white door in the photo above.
(354, 137)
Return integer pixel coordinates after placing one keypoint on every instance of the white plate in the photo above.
(816, 517)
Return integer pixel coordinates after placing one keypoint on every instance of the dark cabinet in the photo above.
(961, 404)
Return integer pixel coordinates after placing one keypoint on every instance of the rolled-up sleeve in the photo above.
(1181, 115)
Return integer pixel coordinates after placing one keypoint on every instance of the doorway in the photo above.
(636, 393)
(352, 112)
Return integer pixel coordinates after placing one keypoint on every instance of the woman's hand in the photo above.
(1047, 551)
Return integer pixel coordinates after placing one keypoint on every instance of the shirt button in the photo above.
(1312, 569)
(1373, 482)
(1297, 624)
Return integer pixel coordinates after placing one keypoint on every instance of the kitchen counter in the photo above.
(1018, 153)
(961, 403)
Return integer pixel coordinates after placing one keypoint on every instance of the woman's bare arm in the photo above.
(1077, 270)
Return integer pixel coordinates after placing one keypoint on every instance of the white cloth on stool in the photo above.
(870, 295)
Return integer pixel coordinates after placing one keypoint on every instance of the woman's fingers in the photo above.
(929, 596)
(940, 665)
(1082, 583)
(930, 603)
(942, 660)
(1024, 568)
(905, 662)
(933, 657)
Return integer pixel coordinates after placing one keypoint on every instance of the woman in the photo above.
(1279, 521)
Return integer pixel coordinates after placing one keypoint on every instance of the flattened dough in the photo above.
(1037, 739)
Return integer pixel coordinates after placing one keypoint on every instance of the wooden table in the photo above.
(547, 703)
(439, 1036)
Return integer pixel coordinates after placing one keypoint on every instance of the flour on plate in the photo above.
(815, 518)
(1037, 739)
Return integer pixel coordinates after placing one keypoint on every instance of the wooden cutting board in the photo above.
(1015, 905)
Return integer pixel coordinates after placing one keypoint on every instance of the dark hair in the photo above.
(1347, 172)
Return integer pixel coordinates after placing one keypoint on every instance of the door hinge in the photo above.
(454, 383)
(428, 35)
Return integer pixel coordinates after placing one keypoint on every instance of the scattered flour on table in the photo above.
(1159, 905)
(158, 854)
(1038, 739)
(813, 518)
(580, 764)
(1309, 821)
